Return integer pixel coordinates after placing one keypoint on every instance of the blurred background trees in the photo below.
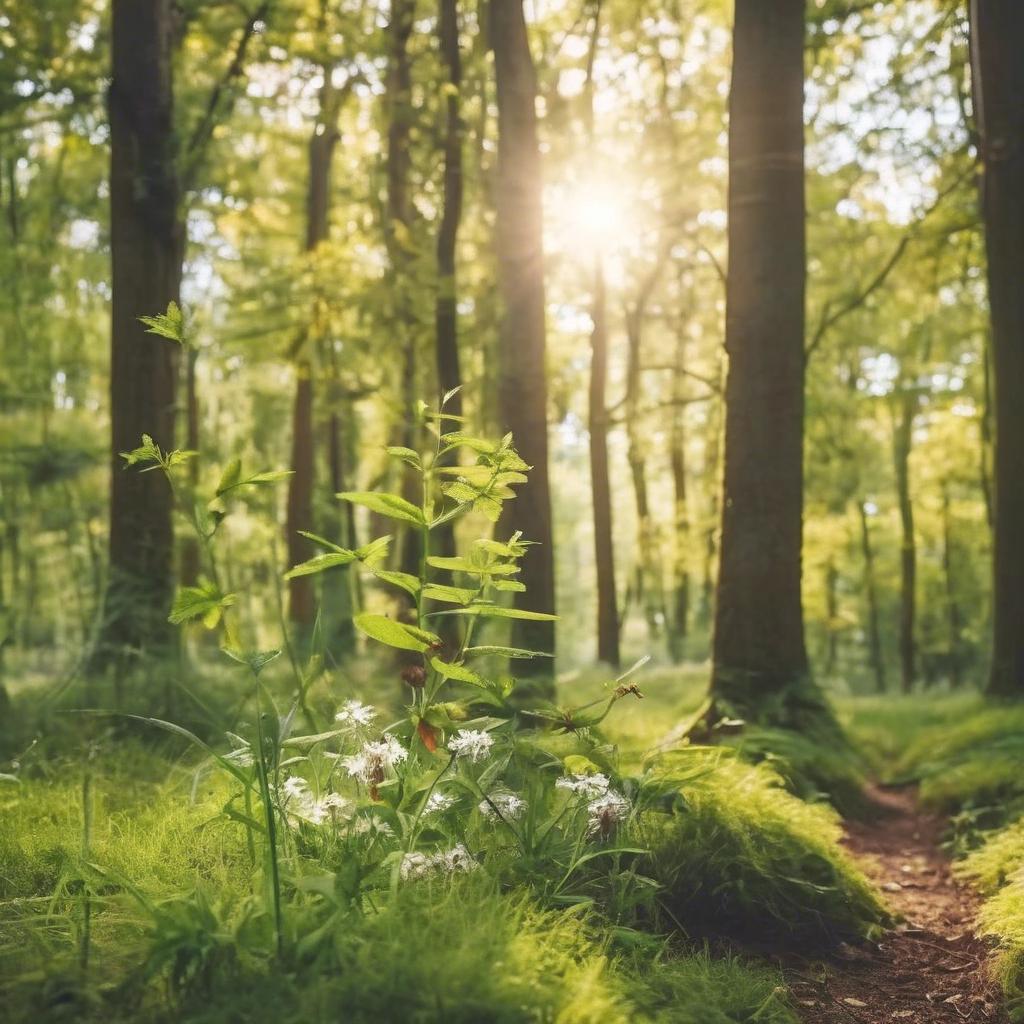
(377, 202)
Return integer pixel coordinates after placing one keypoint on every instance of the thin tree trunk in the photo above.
(189, 568)
(681, 540)
(874, 632)
(449, 374)
(953, 616)
(902, 441)
(301, 590)
(648, 582)
(397, 236)
(600, 484)
(597, 415)
(998, 81)
(522, 387)
(760, 662)
(147, 242)
(832, 616)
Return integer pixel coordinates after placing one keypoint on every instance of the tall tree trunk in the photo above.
(953, 617)
(998, 42)
(681, 540)
(189, 568)
(522, 387)
(146, 241)
(301, 590)
(832, 616)
(760, 661)
(902, 441)
(874, 632)
(600, 484)
(449, 375)
(648, 583)
(398, 238)
(597, 413)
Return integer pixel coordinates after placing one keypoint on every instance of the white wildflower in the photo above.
(336, 802)
(375, 760)
(415, 865)
(354, 713)
(448, 862)
(606, 812)
(472, 743)
(438, 803)
(295, 787)
(589, 786)
(371, 825)
(508, 805)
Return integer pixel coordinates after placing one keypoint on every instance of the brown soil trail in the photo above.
(930, 968)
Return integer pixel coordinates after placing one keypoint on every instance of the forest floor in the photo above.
(930, 968)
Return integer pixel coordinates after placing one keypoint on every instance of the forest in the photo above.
(510, 511)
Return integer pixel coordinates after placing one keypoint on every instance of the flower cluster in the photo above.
(590, 786)
(473, 744)
(605, 813)
(447, 862)
(354, 714)
(301, 805)
(438, 803)
(506, 806)
(373, 763)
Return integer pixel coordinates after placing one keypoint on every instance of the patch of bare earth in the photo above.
(930, 968)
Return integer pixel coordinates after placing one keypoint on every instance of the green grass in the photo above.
(742, 854)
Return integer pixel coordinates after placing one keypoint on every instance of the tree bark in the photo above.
(522, 386)
(299, 515)
(760, 661)
(449, 374)
(147, 243)
(902, 441)
(600, 483)
(998, 81)
(953, 616)
(681, 541)
(874, 632)
(597, 414)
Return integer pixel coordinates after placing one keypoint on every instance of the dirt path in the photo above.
(930, 969)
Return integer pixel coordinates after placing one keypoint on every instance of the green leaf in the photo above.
(395, 634)
(148, 451)
(390, 505)
(457, 439)
(374, 552)
(453, 595)
(167, 325)
(409, 583)
(320, 563)
(205, 600)
(230, 477)
(497, 611)
(323, 542)
(465, 565)
(509, 586)
(256, 660)
(458, 672)
(407, 455)
(507, 652)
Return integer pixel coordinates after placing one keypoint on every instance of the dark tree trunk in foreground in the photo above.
(902, 441)
(449, 374)
(871, 594)
(760, 660)
(600, 484)
(522, 386)
(146, 241)
(998, 42)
